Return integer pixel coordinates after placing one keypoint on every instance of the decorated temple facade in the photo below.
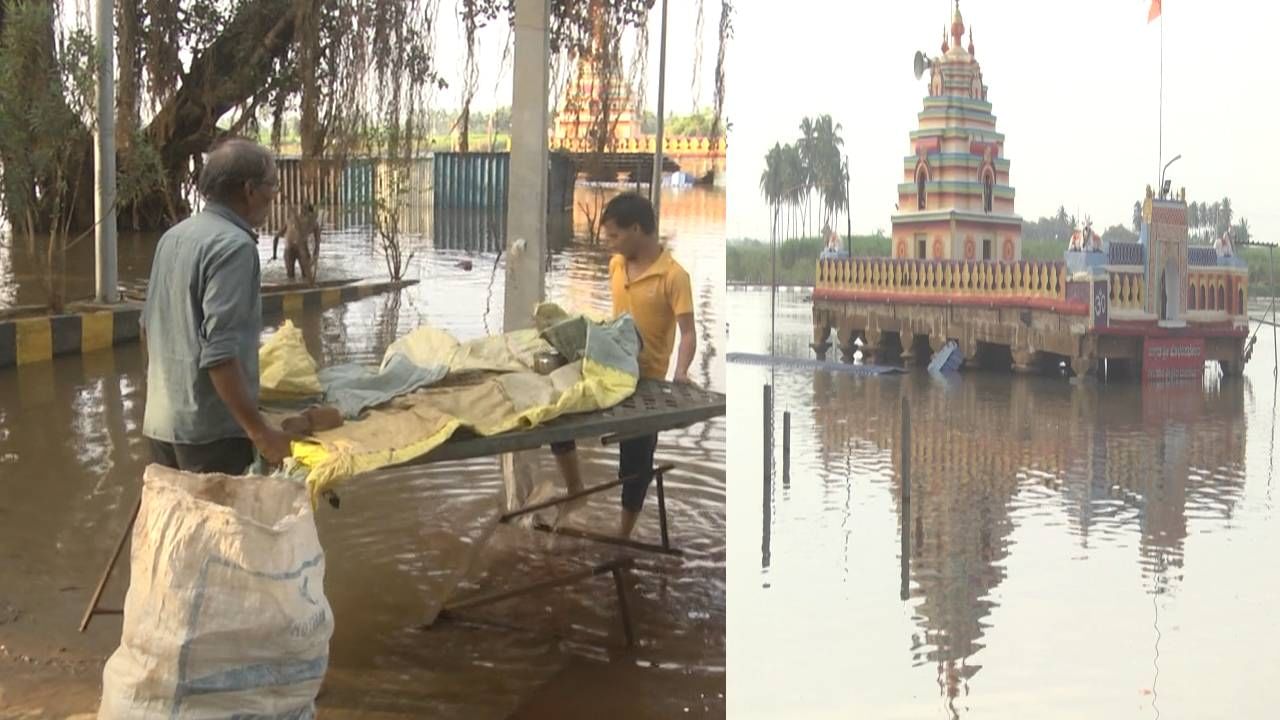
(1158, 307)
(955, 201)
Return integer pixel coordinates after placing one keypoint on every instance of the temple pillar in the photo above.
(846, 335)
(821, 338)
(1082, 365)
(969, 348)
(908, 341)
(1024, 359)
(871, 340)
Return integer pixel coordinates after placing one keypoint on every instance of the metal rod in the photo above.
(773, 293)
(786, 448)
(580, 493)
(766, 513)
(104, 150)
(655, 190)
(624, 607)
(106, 573)
(848, 208)
(607, 539)
(566, 579)
(1275, 358)
(662, 510)
(904, 450)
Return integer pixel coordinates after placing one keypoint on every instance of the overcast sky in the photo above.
(682, 45)
(1074, 87)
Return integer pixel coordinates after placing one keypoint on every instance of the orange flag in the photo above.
(1154, 12)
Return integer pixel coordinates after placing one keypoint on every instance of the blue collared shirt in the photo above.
(204, 306)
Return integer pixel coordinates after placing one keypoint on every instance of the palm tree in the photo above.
(1137, 216)
(795, 185)
(828, 171)
(807, 147)
(771, 186)
(1226, 214)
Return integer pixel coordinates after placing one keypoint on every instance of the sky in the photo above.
(1074, 87)
(682, 45)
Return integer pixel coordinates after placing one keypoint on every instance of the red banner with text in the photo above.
(1172, 358)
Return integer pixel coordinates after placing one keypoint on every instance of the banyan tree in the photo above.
(357, 73)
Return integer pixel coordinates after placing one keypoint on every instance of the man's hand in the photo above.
(273, 444)
(228, 381)
(682, 378)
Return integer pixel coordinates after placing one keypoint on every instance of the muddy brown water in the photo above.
(1077, 550)
(71, 460)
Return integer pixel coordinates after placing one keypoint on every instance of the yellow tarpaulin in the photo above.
(490, 388)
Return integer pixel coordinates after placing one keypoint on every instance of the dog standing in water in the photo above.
(303, 226)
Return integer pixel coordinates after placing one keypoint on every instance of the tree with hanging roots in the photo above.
(192, 71)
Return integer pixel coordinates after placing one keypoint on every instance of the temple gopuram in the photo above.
(1157, 308)
(626, 150)
(955, 201)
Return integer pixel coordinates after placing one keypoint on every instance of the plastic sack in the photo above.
(226, 614)
(286, 371)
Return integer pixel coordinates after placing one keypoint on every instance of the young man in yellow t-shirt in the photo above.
(648, 283)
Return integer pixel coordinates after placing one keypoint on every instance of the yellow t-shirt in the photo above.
(655, 300)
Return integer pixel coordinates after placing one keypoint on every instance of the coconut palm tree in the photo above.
(771, 186)
(795, 184)
(807, 147)
(827, 170)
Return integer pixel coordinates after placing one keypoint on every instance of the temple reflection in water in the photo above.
(1114, 459)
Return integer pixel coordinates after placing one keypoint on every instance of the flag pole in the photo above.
(1160, 151)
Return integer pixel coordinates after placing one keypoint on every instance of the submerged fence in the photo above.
(458, 199)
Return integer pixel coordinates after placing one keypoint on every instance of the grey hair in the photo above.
(231, 164)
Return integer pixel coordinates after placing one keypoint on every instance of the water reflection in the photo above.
(71, 456)
(1048, 525)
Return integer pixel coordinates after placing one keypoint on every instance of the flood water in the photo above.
(71, 461)
(1072, 550)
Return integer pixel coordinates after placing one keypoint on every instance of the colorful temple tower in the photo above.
(579, 114)
(955, 201)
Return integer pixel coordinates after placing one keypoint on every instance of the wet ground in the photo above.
(71, 459)
(1072, 550)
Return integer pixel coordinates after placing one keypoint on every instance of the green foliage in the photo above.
(140, 172)
(1119, 233)
(749, 261)
(46, 89)
(46, 92)
(813, 166)
(1261, 273)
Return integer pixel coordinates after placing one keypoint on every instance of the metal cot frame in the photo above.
(655, 406)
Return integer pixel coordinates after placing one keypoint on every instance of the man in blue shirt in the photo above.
(202, 321)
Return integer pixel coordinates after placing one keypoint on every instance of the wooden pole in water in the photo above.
(104, 150)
